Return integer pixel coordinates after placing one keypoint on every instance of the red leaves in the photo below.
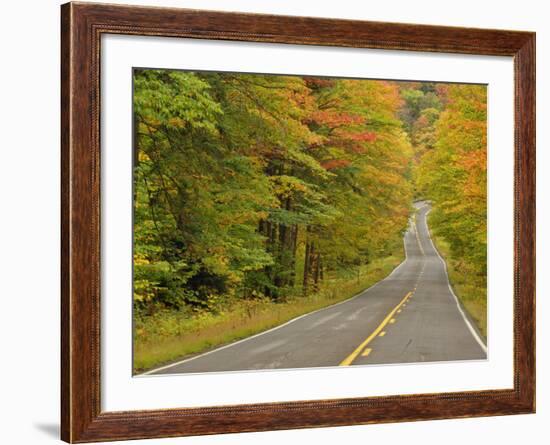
(335, 163)
(422, 121)
(318, 82)
(352, 142)
(366, 136)
(442, 91)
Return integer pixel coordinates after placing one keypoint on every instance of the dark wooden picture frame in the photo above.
(82, 26)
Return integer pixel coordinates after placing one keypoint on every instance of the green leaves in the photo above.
(242, 182)
(453, 173)
(173, 99)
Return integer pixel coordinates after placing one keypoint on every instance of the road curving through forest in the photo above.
(410, 316)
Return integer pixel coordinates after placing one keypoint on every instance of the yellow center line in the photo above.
(366, 352)
(350, 358)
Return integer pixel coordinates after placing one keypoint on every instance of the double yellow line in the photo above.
(350, 358)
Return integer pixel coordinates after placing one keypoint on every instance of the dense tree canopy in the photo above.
(254, 187)
(250, 185)
(453, 174)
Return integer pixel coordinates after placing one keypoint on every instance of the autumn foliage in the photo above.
(252, 186)
(263, 187)
(453, 173)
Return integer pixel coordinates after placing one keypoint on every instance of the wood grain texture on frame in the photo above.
(81, 28)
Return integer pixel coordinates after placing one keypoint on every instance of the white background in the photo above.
(29, 231)
(120, 392)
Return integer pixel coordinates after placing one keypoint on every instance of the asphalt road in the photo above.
(411, 316)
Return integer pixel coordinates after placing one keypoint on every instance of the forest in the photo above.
(261, 197)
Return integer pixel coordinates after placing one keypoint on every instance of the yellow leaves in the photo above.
(140, 259)
(208, 199)
(454, 174)
(143, 157)
(148, 124)
(285, 186)
(144, 290)
(217, 261)
(176, 122)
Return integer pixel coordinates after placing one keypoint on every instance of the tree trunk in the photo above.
(306, 268)
(317, 270)
(311, 263)
(293, 247)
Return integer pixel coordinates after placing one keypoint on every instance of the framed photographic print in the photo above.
(275, 222)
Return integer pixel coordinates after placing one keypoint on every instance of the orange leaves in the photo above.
(453, 174)
(422, 121)
(319, 82)
(354, 143)
(476, 160)
(335, 163)
(475, 164)
(365, 136)
(333, 119)
(353, 135)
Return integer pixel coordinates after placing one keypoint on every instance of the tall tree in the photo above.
(454, 175)
(256, 185)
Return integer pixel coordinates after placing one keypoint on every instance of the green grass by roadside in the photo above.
(168, 336)
(471, 291)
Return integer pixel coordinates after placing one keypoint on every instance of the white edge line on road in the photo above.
(152, 371)
(468, 324)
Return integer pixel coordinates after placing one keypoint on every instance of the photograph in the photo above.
(289, 221)
(281, 219)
